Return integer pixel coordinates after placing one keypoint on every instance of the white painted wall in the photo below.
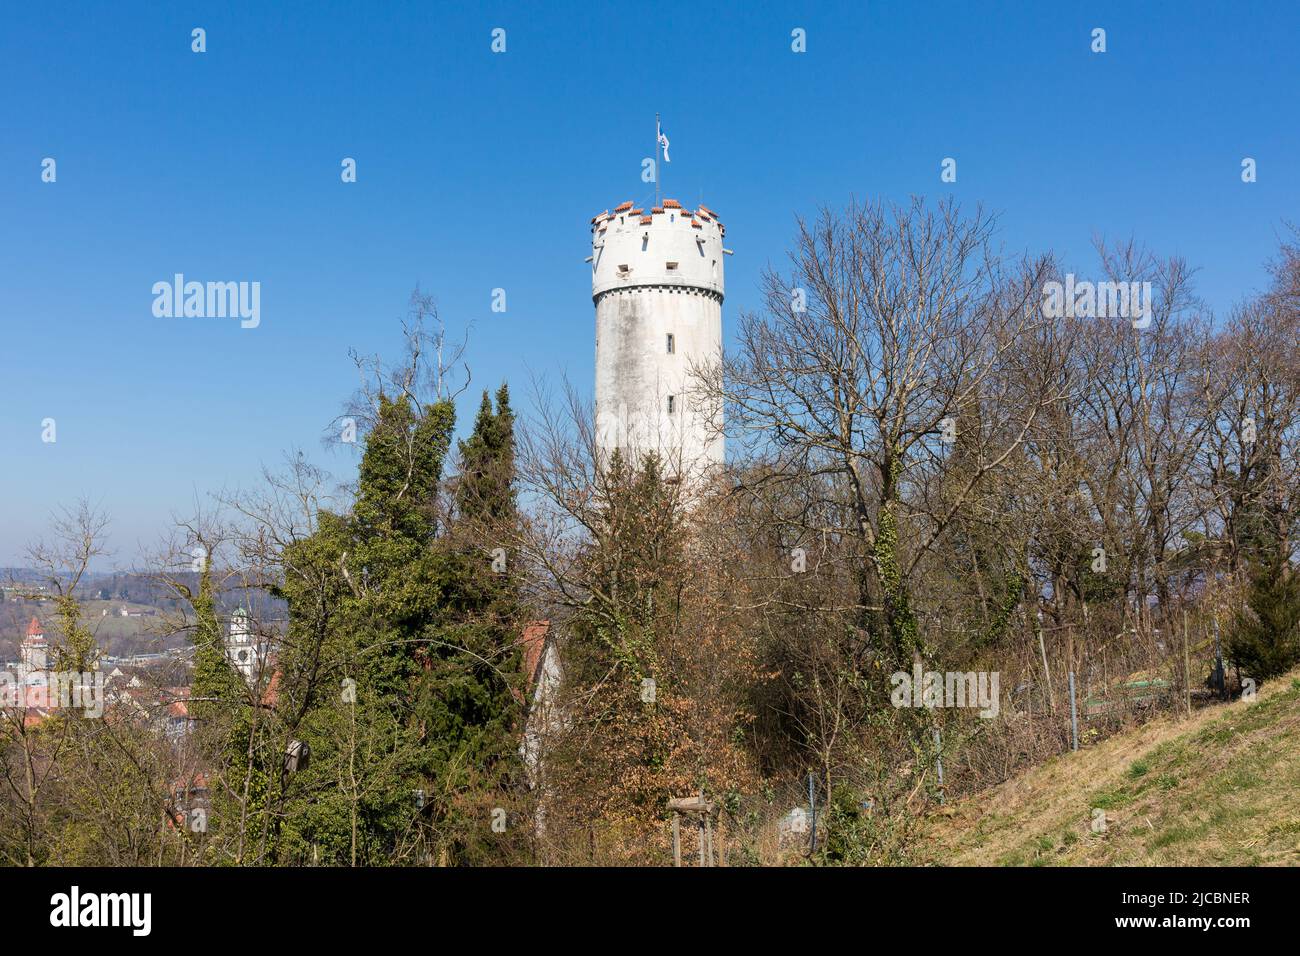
(544, 715)
(639, 301)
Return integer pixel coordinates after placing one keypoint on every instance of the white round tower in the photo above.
(656, 281)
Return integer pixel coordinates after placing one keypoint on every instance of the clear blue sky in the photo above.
(479, 170)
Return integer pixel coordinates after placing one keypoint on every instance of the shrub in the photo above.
(1264, 640)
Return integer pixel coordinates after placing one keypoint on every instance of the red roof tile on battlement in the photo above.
(34, 629)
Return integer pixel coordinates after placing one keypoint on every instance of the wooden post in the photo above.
(1221, 675)
(938, 760)
(1074, 717)
(1187, 668)
(701, 811)
(1042, 649)
(699, 820)
(812, 815)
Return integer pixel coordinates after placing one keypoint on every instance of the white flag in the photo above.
(663, 140)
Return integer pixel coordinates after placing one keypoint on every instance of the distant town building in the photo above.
(26, 687)
(33, 658)
(246, 648)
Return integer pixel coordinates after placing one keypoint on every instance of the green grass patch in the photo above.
(1115, 799)
(1175, 834)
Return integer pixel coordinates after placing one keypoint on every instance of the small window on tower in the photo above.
(672, 266)
(672, 404)
(624, 269)
(671, 344)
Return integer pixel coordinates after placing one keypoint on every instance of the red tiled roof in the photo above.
(672, 204)
(623, 207)
(34, 629)
(271, 695)
(534, 641)
(177, 700)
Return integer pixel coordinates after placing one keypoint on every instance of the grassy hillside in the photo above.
(1217, 788)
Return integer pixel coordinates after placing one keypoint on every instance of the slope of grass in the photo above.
(1217, 789)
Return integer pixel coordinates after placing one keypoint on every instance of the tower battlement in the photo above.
(665, 245)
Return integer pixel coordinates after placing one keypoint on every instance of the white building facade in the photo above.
(33, 655)
(245, 647)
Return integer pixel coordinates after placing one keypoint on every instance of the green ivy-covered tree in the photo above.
(401, 650)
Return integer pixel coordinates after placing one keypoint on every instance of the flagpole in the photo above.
(658, 164)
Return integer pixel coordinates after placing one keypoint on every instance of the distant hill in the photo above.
(126, 611)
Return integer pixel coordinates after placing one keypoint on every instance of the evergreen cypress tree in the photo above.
(216, 687)
(1265, 637)
(485, 491)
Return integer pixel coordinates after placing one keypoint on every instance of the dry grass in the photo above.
(1217, 788)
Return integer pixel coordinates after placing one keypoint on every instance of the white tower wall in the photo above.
(33, 657)
(654, 275)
